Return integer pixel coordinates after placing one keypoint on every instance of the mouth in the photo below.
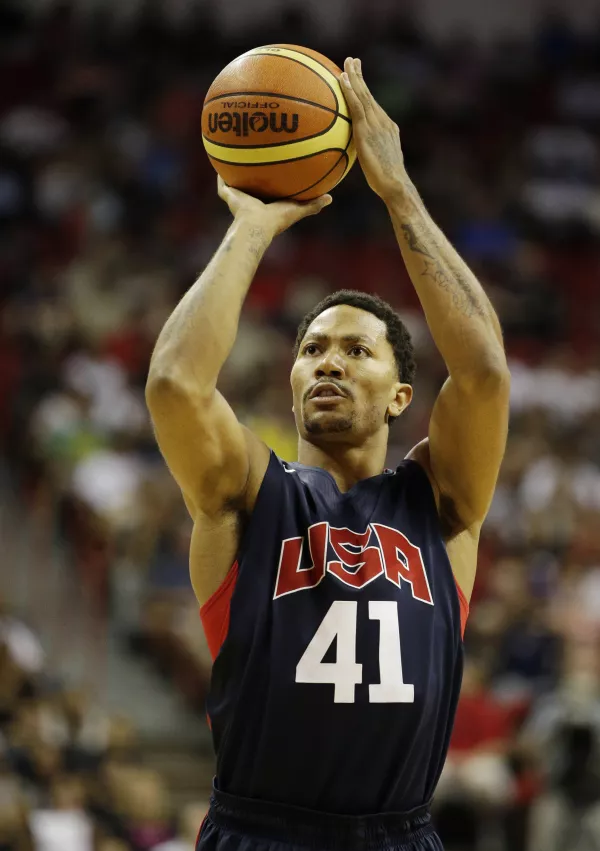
(326, 392)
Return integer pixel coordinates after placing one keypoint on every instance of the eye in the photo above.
(310, 349)
(358, 351)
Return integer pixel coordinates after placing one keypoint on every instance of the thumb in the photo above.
(314, 207)
(223, 190)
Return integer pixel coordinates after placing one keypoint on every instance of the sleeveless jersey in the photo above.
(337, 645)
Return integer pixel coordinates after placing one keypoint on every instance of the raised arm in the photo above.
(469, 422)
(210, 454)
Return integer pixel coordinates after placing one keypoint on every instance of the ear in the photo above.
(401, 401)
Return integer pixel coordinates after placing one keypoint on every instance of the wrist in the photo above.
(400, 193)
(256, 225)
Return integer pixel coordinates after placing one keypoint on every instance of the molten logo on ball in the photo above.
(241, 123)
(293, 142)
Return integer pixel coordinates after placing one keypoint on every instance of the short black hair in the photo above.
(396, 331)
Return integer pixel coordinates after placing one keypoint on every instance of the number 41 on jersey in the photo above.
(346, 673)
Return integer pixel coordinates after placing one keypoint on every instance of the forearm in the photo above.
(459, 314)
(199, 335)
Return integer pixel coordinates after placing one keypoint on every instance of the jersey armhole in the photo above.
(214, 614)
(462, 600)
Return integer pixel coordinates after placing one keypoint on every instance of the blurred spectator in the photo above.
(563, 174)
(477, 770)
(64, 826)
(108, 481)
(13, 808)
(21, 643)
(564, 735)
(191, 816)
(147, 820)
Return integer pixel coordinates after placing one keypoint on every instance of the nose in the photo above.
(331, 365)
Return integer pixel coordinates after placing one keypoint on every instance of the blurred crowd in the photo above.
(70, 775)
(109, 212)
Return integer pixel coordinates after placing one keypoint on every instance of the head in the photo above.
(353, 345)
(68, 792)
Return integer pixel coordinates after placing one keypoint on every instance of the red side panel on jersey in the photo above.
(215, 612)
(464, 609)
(200, 830)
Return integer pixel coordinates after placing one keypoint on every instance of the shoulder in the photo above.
(275, 477)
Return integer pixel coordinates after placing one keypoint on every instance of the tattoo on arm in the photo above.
(414, 242)
(449, 278)
(463, 298)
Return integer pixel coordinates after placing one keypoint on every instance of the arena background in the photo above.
(108, 212)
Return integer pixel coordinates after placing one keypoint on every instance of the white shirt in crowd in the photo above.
(61, 830)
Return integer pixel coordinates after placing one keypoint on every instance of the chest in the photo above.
(350, 559)
(368, 597)
(355, 587)
(365, 613)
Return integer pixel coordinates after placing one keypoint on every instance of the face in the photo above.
(345, 381)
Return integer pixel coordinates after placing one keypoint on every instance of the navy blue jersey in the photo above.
(338, 645)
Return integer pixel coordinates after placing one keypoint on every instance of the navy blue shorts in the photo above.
(242, 824)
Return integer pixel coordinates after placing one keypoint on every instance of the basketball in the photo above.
(275, 124)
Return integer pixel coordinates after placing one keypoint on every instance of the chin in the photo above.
(328, 424)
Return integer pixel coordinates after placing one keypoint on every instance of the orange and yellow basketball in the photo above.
(275, 123)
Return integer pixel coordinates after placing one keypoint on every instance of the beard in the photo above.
(318, 425)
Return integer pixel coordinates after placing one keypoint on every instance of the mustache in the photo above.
(343, 390)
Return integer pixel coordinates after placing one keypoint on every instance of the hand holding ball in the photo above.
(275, 124)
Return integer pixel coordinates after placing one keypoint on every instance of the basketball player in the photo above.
(334, 592)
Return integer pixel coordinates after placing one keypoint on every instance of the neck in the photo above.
(347, 464)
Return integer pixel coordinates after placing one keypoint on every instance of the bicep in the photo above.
(208, 451)
(467, 440)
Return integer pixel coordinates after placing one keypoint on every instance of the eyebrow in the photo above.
(347, 338)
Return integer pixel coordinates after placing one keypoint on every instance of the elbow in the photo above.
(496, 372)
(162, 374)
(161, 386)
(170, 386)
(159, 383)
(486, 376)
